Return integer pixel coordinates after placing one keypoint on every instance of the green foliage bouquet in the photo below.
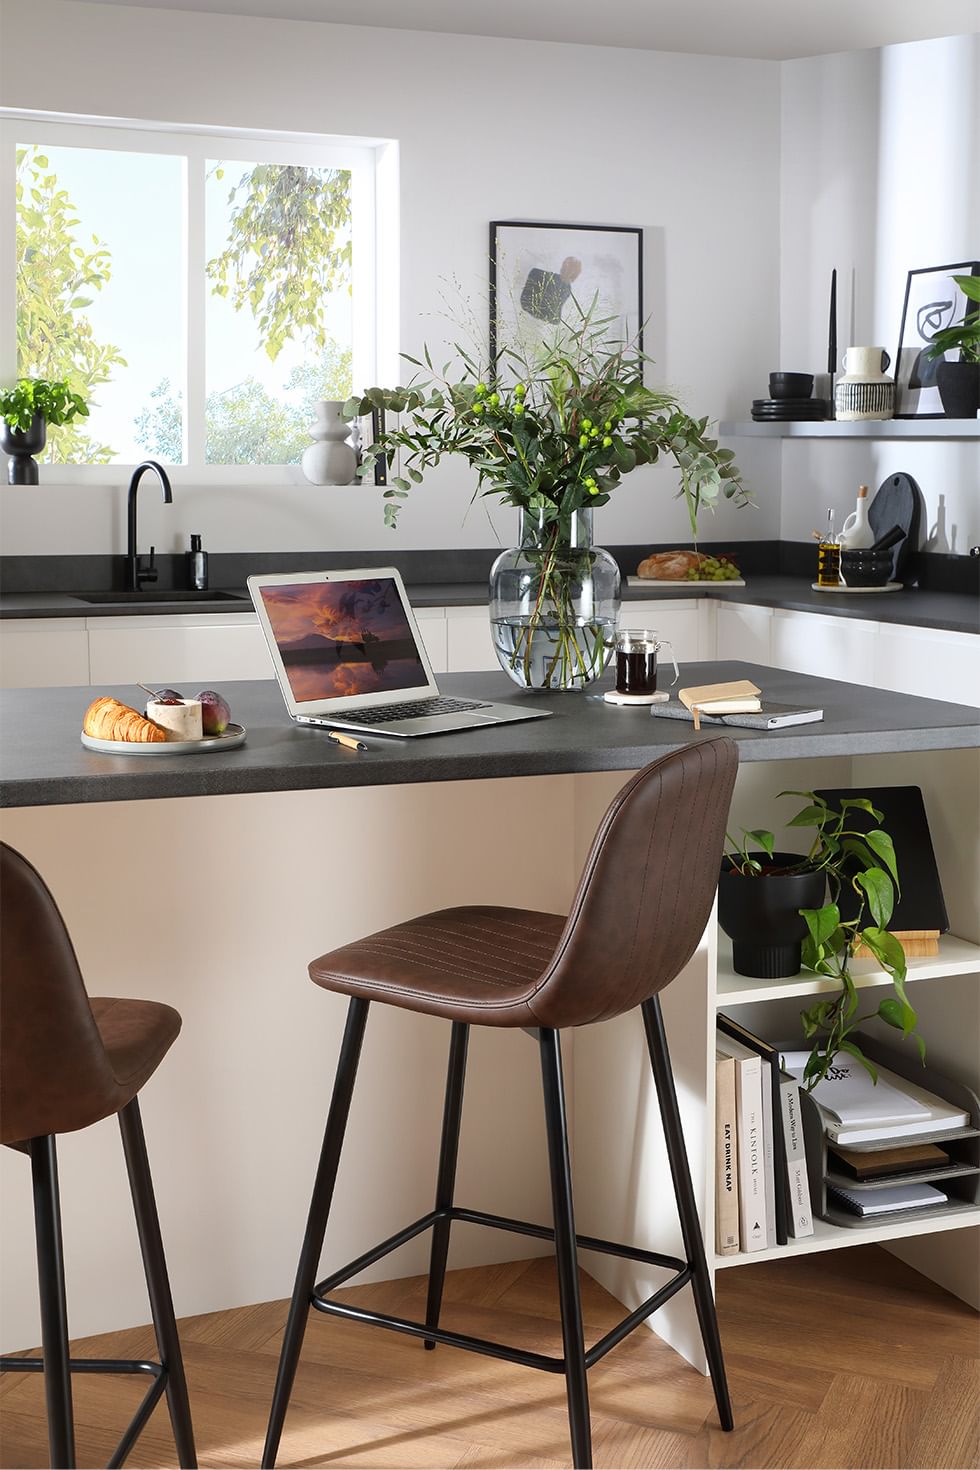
(576, 419)
(964, 335)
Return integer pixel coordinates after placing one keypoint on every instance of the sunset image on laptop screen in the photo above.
(342, 638)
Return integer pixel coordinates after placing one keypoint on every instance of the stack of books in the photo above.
(762, 1191)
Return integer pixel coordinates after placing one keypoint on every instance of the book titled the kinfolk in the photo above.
(753, 1233)
(726, 1158)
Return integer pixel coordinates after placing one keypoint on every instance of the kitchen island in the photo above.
(210, 882)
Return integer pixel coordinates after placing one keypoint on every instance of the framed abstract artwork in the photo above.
(933, 301)
(544, 276)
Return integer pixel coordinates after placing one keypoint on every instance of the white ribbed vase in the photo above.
(330, 459)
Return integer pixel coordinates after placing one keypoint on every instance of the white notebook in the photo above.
(883, 1201)
(938, 1116)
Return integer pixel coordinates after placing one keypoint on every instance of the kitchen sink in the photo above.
(139, 599)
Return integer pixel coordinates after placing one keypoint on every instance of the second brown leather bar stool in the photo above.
(67, 1062)
(642, 903)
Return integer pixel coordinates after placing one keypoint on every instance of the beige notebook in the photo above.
(738, 697)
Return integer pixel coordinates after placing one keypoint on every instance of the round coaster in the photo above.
(612, 696)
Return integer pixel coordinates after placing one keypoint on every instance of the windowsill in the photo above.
(240, 475)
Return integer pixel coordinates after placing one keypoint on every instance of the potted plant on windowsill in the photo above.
(959, 381)
(757, 893)
(555, 440)
(27, 409)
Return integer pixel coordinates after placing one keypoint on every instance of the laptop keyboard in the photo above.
(414, 709)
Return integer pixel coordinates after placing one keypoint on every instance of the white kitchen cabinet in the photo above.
(743, 632)
(43, 653)
(830, 647)
(432, 626)
(677, 621)
(928, 661)
(202, 649)
(469, 644)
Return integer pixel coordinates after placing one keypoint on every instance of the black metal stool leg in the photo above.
(316, 1224)
(446, 1182)
(686, 1207)
(157, 1281)
(54, 1310)
(576, 1384)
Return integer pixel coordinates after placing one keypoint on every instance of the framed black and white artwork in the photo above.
(544, 276)
(933, 301)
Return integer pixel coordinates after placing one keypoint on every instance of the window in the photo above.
(202, 292)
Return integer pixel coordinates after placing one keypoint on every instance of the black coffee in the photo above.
(636, 671)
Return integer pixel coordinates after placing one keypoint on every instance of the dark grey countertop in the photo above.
(45, 764)
(951, 611)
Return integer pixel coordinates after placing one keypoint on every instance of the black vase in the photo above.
(21, 445)
(761, 915)
(959, 388)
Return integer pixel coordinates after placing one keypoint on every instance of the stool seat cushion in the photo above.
(477, 964)
(137, 1034)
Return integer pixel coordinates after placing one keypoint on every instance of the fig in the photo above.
(215, 713)
(164, 696)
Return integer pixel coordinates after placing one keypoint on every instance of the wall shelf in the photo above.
(872, 429)
(955, 957)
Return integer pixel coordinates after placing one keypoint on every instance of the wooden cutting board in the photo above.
(897, 503)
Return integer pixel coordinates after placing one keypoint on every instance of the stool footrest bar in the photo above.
(438, 1334)
(148, 1403)
(455, 1214)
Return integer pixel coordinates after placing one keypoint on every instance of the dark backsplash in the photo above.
(930, 571)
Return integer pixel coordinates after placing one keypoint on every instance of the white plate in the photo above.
(841, 587)
(232, 737)
(683, 582)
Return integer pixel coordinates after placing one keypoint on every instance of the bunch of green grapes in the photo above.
(714, 569)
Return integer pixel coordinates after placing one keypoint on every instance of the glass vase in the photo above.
(554, 602)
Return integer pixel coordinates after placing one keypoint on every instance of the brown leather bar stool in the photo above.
(642, 903)
(68, 1062)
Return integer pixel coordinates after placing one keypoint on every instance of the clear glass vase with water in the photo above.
(554, 603)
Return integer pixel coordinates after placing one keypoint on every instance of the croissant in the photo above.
(108, 719)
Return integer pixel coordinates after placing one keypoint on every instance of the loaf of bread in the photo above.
(108, 719)
(669, 566)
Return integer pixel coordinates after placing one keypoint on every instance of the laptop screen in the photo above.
(338, 639)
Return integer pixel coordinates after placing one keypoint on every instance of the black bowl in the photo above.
(790, 385)
(866, 568)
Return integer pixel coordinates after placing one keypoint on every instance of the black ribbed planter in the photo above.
(761, 916)
(21, 445)
(959, 388)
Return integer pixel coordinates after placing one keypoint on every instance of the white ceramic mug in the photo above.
(865, 362)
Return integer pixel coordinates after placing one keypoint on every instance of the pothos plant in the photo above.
(864, 862)
(572, 418)
(55, 401)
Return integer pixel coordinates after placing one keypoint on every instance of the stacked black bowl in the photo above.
(789, 399)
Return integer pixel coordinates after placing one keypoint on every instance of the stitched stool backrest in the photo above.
(54, 1072)
(646, 890)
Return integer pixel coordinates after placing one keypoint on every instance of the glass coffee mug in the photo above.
(636, 662)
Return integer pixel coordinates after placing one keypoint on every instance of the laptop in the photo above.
(348, 656)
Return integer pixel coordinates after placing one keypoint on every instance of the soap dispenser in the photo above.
(856, 533)
(197, 566)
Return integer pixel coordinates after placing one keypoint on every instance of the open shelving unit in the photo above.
(956, 957)
(864, 429)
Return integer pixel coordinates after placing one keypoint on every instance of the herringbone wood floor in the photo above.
(842, 1359)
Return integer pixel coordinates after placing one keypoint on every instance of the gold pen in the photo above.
(350, 741)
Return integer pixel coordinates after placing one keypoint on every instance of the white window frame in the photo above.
(373, 165)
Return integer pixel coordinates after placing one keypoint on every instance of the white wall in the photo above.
(880, 175)
(487, 129)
